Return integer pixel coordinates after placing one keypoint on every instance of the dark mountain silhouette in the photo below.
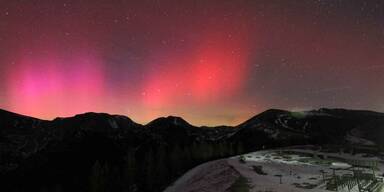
(102, 152)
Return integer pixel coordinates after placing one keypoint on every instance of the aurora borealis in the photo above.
(210, 61)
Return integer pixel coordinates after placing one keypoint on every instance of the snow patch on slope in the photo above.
(113, 123)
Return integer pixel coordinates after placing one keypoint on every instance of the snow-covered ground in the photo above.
(298, 169)
(214, 176)
(284, 170)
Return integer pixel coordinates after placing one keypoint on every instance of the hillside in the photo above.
(126, 156)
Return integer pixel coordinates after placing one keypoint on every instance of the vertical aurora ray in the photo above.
(55, 83)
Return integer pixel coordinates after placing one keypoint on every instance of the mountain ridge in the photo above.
(173, 117)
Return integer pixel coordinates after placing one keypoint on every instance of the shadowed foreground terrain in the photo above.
(102, 152)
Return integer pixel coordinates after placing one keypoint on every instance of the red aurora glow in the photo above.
(209, 61)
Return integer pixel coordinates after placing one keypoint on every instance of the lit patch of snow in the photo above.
(269, 131)
(269, 156)
(213, 176)
(357, 140)
(317, 113)
(340, 165)
(113, 123)
(275, 135)
(282, 121)
(175, 121)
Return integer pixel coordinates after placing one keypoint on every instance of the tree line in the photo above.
(153, 169)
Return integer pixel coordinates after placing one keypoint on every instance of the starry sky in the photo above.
(210, 61)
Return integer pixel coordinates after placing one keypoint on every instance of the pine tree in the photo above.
(231, 150)
(161, 171)
(149, 170)
(129, 169)
(97, 178)
(239, 148)
(176, 160)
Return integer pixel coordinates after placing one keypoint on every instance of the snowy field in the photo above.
(287, 170)
(306, 170)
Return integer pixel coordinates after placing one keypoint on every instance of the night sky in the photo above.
(210, 61)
